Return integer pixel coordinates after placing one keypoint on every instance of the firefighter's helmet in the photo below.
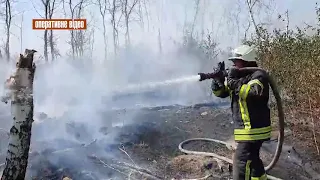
(245, 53)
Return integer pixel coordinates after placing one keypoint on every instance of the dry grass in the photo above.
(293, 59)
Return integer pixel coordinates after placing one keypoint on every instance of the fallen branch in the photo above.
(75, 148)
(126, 166)
(128, 155)
(109, 166)
(139, 169)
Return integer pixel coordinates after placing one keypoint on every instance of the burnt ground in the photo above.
(162, 131)
(148, 149)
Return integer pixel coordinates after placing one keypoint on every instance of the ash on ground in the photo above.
(148, 148)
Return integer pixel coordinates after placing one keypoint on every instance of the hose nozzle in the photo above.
(205, 76)
(219, 72)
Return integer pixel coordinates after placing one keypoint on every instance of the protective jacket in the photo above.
(249, 105)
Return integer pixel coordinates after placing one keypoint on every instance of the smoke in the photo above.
(141, 66)
(5, 71)
(75, 99)
(81, 90)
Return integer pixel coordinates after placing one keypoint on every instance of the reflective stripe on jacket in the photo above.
(249, 105)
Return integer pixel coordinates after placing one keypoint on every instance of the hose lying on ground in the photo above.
(280, 136)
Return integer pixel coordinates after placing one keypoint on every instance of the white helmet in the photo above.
(245, 53)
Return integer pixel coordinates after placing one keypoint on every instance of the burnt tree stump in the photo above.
(20, 85)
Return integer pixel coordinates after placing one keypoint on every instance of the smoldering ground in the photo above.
(81, 107)
(84, 129)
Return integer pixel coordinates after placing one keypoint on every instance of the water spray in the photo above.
(217, 73)
(143, 87)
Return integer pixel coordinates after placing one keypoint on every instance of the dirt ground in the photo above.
(161, 130)
(148, 149)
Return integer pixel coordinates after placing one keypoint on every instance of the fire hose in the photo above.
(280, 135)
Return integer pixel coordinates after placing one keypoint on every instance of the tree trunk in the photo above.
(45, 46)
(8, 19)
(21, 86)
(159, 41)
(103, 9)
(195, 16)
(127, 34)
(114, 26)
(140, 13)
(147, 14)
(50, 5)
(21, 31)
(72, 45)
(115, 42)
(105, 40)
(7, 46)
(52, 50)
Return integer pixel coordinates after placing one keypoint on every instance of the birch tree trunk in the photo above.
(21, 87)
(8, 21)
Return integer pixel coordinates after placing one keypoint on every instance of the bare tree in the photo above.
(247, 27)
(8, 19)
(113, 11)
(232, 19)
(91, 42)
(90, 36)
(287, 20)
(48, 38)
(254, 7)
(21, 31)
(195, 16)
(146, 13)
(159, 41)
(140, 14)
(103, 10)
(45, 35)
(21, 87)
(127, 9)
(211, 47)
(53, 50)
(202, 19)
(251, 4)
(77, 37)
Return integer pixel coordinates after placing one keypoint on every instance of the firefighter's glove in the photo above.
(234, 84)
(220, 75)
(216, 84)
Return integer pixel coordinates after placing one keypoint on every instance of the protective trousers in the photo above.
(247, 164)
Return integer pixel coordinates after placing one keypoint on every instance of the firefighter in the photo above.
(249, 93)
